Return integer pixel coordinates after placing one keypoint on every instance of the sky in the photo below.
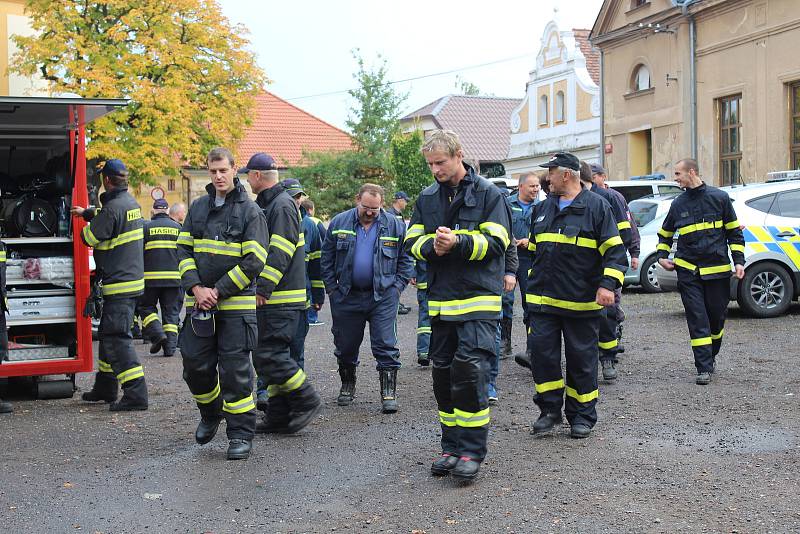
(305, 46)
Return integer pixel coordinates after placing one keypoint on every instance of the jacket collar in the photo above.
(237, 194)
(268, 195)
(160, 216)
(108, 196)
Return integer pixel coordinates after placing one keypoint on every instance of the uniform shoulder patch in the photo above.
(134, 214)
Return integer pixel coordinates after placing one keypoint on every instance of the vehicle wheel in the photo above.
(766, 290)
(647, 275)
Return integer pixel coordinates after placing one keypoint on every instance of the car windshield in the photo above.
(643, 212)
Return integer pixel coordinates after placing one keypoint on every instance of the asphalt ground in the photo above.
(666, 455)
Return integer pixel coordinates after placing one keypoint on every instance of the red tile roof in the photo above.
(591, 54)
(482, 122)
(283, 131)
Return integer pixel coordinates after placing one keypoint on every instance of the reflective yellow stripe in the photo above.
(549, 386)
(238, 277)
(185, 238)
(422, 285)
(479, 247)
(271, 273)
(531, 246)
(415, 230)
(564, 304)
(170, 328)
(606, 345)
(624, 225)
(614, 241)
(716, 269)
(665, 233)
(283, 244)
(131, 374)
(149, 319)
(104, 366)
(294, 382)
(731, 225)
(237, 303)
(471, 419)
(187, 265)
(241, 406)
(416, 250)
(718, 336)
(585, 397)
(737, 248)
(287, 297)
(317, 284)
(348, 232)
(447, 419)
(549, 237)
(685, 264)
(150, 245)
(424, 330)
(123, 287)
(2, 256)
(701, 341)
(207, 398)
(496, 230)
(664, 247)
(389, 238)
(486, 303)
(710, 225)
(212, 246)
(314, 255)
(254, 247)
(89, 237)
(162, 275)
(121, 239)
(614, 273)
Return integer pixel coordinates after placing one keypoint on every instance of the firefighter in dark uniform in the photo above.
(162, 281)
(117, 236)
(420, 280)
(281, 304)
(398, 205)
(365, 271)
(221, 255)
(578, 261)
(314, 233)
(460, 228)
(5, 407)
(707, 225)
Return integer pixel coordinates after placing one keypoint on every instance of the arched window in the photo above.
(641, 78)
(560, 106)
(543, 110)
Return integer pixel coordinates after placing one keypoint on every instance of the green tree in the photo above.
(408, 165)
(190, 80)
(467, 88)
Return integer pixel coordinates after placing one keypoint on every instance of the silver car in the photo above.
(648, 214)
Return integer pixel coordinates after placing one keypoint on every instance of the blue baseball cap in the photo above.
(259, 161)
(401, 194)
(114, 167)
(160, 204)
(293, 187)
(563, 159)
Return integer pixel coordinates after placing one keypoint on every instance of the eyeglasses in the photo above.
(365, 209)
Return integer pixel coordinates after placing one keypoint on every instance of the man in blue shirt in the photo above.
(364, 271)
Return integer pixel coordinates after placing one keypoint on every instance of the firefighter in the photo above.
(400, 203)
(297, 349)
(578, 261)
(162, 281)
(117, 236)
(5, 407)
(220, 256)
(420, 280)
(313, 232)
(460, 228)
(707, 225)
(365, 271)
(281, 304)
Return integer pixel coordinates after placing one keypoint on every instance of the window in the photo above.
(794, 91)
(669, 189)
(560, 106)
(171, 184)
(641, 78)
(730, 139)
(789, 204)
(543, 109)
(761, 204)
(637, 3)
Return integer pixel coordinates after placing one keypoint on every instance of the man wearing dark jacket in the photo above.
(116, 234)
(5, 407)
(398, 205)
(707, 226)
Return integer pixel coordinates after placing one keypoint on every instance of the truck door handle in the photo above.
(787, 233)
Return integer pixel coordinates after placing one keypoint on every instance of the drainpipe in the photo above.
(602, 154)
(692, 79)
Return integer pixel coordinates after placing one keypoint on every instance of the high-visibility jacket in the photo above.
(619, 211)
(707, 226)
(466, 283)
(116, 234)
(314, 233)
(392, 211)
(283, 279)
(576, 251)
(161, 252)
(222, 247)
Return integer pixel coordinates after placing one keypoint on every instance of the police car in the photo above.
(770, 215)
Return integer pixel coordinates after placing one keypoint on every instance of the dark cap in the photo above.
(401, 194)
(114, 167)
(598, 169)
(563, 159)
(259, 162)
(203, 322)
(160, 204)
(293, 187)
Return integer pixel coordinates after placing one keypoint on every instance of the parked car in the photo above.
(770, 215)
(648, 214)
(645, 186)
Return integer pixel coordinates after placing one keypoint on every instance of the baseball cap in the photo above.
(160, 204)
(563, 159)
(401, 194)
(293, 187)
(114, 167)
(598, 169)
(203, 322)
(259, 162)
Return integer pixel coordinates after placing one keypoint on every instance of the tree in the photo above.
(190, 80)
(408, 165)
(467, 88)
(375, 117)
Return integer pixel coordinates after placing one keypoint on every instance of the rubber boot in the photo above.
(304, 405)
(348, 391)
(276, 416)
(388, 378)
(506, 324)
(105, 388)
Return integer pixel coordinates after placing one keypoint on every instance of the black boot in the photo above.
(620, 346)
(105, 389)
(6, 407)
(276, 416)
(157, 344)
(609, 372)
(465, 469)
(506, 324)
(239, 449)
(388, 378)
(523, 359)
(444, 464)
(304, 404)
(348, 375)
(206, 430)
(134, 397)
(546, 422)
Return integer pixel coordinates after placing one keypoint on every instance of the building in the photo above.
(480, 121)
(561, 108)
(14, 21)
(714, 79)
